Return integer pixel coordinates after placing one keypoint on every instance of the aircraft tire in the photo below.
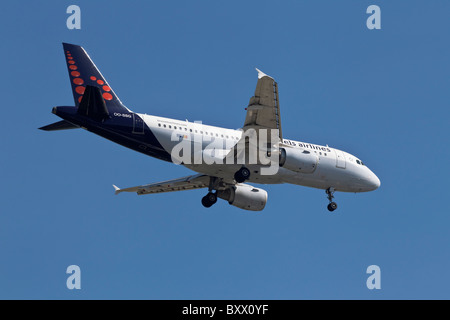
(242, 174)
(209, 199)
(332, 206)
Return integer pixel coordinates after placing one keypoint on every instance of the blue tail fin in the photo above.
(83, 72)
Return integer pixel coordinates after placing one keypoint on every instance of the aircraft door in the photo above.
(340, 159)
(138, 124)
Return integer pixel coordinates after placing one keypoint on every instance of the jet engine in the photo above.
(298, 160)
(245, 197)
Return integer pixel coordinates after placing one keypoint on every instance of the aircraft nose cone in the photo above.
(374, 182)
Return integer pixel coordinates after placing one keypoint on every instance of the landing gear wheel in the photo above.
(212, 197)
(241, 175)
(209, 199)
(332, 206)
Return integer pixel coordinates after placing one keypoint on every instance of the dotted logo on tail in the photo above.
(78, 81)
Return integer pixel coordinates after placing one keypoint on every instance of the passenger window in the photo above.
(159, 124)
(164, 126)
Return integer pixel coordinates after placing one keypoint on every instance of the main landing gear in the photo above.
(330, 195)
(209, 199)
(241, 175)
(214, 183)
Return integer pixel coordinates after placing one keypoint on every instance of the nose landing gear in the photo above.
(330, 195)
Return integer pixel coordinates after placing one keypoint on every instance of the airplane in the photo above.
(99, 110)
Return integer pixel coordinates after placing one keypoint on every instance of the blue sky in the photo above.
(382, 95)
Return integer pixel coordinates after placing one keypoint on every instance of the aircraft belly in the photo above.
(226, 171)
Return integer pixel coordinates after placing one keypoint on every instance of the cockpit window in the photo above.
(358, 162)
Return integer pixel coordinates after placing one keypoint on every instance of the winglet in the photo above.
(262, 74)
(117, 190)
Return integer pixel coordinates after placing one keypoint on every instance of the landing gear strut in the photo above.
(330, 195)
(241, 175)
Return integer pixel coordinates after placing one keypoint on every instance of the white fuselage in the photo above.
(335, 168)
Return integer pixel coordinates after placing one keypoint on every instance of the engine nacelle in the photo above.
(245, 197)
(298, 160)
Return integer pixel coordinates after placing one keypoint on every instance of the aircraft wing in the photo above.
(186, 183)
(263, 111)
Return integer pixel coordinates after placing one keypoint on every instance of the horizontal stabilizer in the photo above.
(60, 125)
